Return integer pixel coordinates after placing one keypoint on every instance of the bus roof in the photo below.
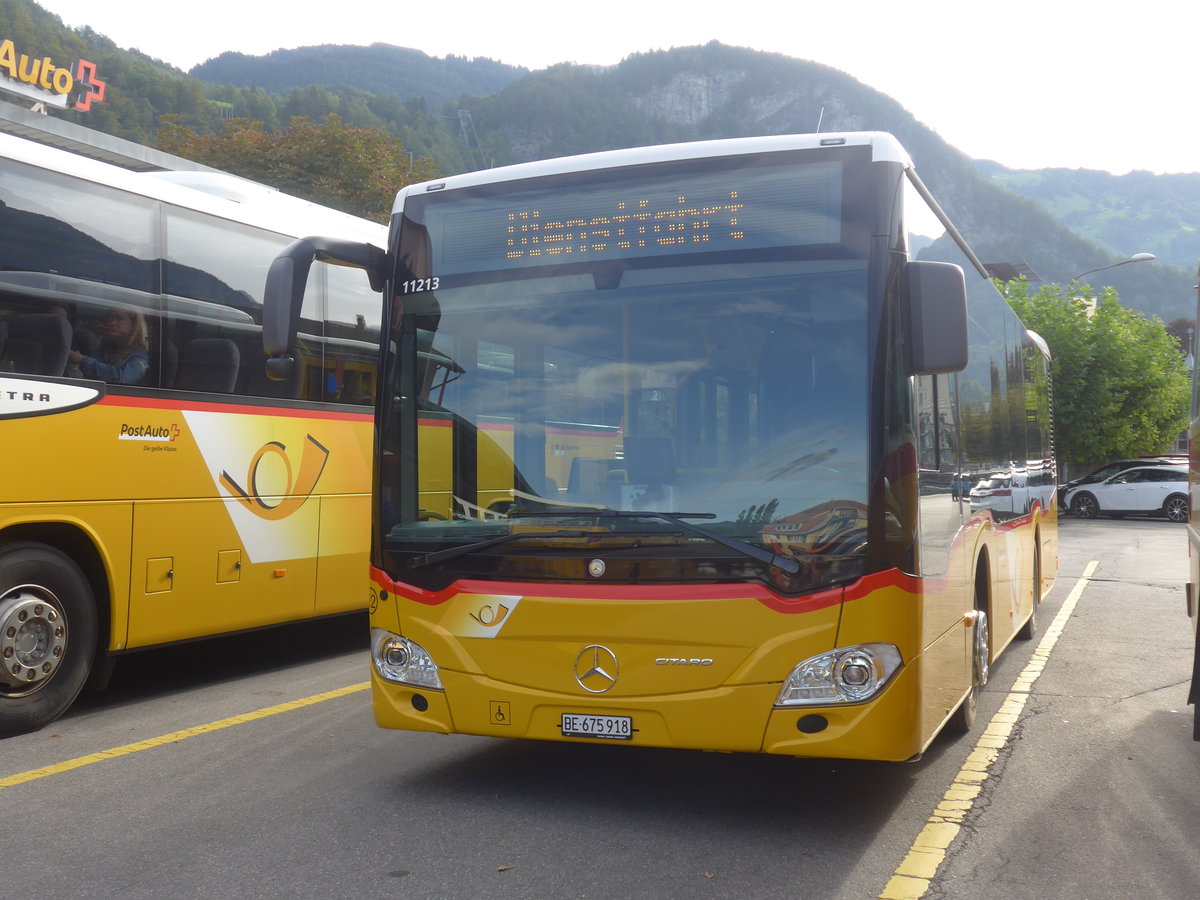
(215, 193)
(884, 148)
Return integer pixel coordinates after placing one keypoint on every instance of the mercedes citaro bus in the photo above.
(666, 445)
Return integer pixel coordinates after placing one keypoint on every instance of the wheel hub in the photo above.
(980, 648)
(33, 638)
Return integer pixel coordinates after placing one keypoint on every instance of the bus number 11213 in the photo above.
(418, 285)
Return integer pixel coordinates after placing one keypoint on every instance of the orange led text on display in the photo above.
(633, 226)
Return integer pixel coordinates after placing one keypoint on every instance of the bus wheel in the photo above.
(1030, 628)
(1176, 508)
(964, 716)
(47, 635)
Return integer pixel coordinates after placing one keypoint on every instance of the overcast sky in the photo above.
(1028, 83)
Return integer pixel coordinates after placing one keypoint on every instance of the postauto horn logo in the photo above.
(296, 492)
(39, 78)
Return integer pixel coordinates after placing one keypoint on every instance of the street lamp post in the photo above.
(1137, 257)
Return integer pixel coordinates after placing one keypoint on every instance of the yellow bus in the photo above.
(1193, 529)
(668, 441)
(158, 487)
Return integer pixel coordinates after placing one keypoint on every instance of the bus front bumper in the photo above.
(732, 718)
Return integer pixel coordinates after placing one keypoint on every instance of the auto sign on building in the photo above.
(47, 81)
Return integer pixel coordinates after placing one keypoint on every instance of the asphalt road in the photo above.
(201, 773)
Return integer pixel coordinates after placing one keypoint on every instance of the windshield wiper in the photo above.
(437, 556)
(789, 565)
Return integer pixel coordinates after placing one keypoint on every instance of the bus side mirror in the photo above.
(936, 297)
(282, 298)
(284, 293)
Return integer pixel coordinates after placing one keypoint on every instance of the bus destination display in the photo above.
(622, 218)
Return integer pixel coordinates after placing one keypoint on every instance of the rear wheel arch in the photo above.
(82, 549)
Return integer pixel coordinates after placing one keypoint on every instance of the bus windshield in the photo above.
(715, 371)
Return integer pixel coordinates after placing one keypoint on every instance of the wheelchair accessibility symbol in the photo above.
(500, 712)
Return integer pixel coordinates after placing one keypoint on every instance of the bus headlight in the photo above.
(845, 675)
(399, 660)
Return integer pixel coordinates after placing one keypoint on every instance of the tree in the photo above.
(1183, 330)
(355, 170)
(1121, 384)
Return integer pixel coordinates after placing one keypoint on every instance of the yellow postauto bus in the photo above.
(1193, 530)
(158, 487)
(668, 441)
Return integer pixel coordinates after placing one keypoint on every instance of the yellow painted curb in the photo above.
(920, 866)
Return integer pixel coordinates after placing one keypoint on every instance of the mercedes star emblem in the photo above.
(596, 669)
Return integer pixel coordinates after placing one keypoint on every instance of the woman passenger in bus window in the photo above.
(124, 354)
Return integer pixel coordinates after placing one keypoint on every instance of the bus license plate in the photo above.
(613, 728)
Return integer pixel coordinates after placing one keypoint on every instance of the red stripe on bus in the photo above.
(656, 593)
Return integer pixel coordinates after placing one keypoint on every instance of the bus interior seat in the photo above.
(253, 380)
(167, 359)
(37, 344)
(209, 365)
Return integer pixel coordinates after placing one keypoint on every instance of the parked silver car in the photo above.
(1151, 490)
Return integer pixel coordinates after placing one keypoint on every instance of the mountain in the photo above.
(473, 113)
(718, 91)
(1119, 212)
(379, 68)
(715, 91)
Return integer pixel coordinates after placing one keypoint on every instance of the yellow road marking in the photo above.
(915, 873)
(176, 736)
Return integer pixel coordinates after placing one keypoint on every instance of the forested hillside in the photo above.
(377, 69)
(140, 88)
(468, 114)
(1119, 212)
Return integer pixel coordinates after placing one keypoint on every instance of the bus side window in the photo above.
(213, 297)
(350, 326)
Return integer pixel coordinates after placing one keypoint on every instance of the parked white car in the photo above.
(1006, 494)
(1142, 490)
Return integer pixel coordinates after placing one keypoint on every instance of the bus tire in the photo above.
(48, 632)
(1194, 691)
(1029, 630)
(963, 718)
